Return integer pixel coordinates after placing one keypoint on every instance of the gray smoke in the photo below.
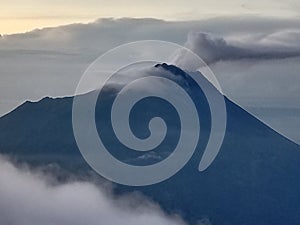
(212, 48)
(27, 198)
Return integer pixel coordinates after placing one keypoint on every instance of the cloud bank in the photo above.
(28, 198)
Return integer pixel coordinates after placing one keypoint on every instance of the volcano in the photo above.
(253, 180)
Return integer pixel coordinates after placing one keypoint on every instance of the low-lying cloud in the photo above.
(28, 198)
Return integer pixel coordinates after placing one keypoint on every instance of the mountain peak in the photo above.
(169, 67)
(175, 70)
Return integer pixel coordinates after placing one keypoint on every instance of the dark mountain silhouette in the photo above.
(255, 179)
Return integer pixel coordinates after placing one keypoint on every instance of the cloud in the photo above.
(212, 48)
(29, 198)
(106, 33)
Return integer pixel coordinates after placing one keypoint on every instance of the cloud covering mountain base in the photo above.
(28, 198)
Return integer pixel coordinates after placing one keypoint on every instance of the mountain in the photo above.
(253, 180)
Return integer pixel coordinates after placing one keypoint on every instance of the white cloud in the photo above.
(29, 198)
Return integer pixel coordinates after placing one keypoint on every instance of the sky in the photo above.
(24, 15)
